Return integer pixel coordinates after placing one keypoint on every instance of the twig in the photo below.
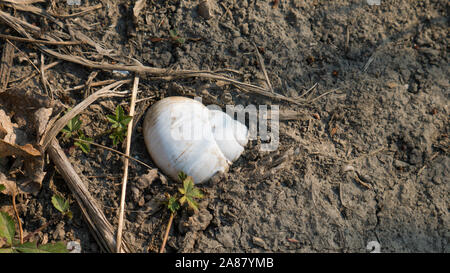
(44, 42)
(309, 90)
(263, 67)
(5, 67)
(85, 11)
(45, 83)
(115, 151)
(26, 78)
(25, 55)
(166, 235)
(125, 171)
(93, 84)
(324, 94)
(17, 216)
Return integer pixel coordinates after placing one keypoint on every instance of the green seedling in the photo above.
(175, 37)
(84, 144)
(188, 195)
(8, 232)
(62, 205)
(2, 187)
(119, 123)
(72, 128)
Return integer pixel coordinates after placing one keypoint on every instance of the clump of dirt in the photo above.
(366, 161)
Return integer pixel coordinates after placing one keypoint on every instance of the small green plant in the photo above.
(119, 123)
(188, 195)
(2, 187)
(84, 144)
(8, 232)
(73, 130)
(175, 37)
(62, 205)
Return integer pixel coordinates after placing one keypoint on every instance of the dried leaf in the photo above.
(8, 149)
(9, 186)
(333, 131)
(140, 4)
(41, 117)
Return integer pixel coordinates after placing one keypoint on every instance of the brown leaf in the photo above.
(8, 149)
(10, 186)
(140, 4)
(333, 131)
(41, 116)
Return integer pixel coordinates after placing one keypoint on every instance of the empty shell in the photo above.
(182, 134)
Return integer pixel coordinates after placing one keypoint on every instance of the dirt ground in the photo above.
(367, 161)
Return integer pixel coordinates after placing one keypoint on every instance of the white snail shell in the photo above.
(181, 134)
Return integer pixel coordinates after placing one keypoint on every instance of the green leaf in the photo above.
(182, 176)
(28, 247)
(84, 144)
(58, 247)
(190, 192)
(31, 247)
(119, 112)
(7, 227)
(188, 185)
(192, 203)
(72, 127)
(126, 120)
(60, 203)
(69, 214)
(173, 33)
(2, 187)
(173, 204)
(7, 250)
(196, 193)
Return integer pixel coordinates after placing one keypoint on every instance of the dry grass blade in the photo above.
(160, 73)
(263, 67)
(77, 14)
(125, 171)
(23, 2)
(58, 125)
(5, 67)
(44, 42)
(115, 151)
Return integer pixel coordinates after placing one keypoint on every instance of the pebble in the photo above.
(204, 10)
(259, 242)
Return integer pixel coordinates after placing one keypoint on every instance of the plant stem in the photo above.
(166, 235)
(17, 216)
